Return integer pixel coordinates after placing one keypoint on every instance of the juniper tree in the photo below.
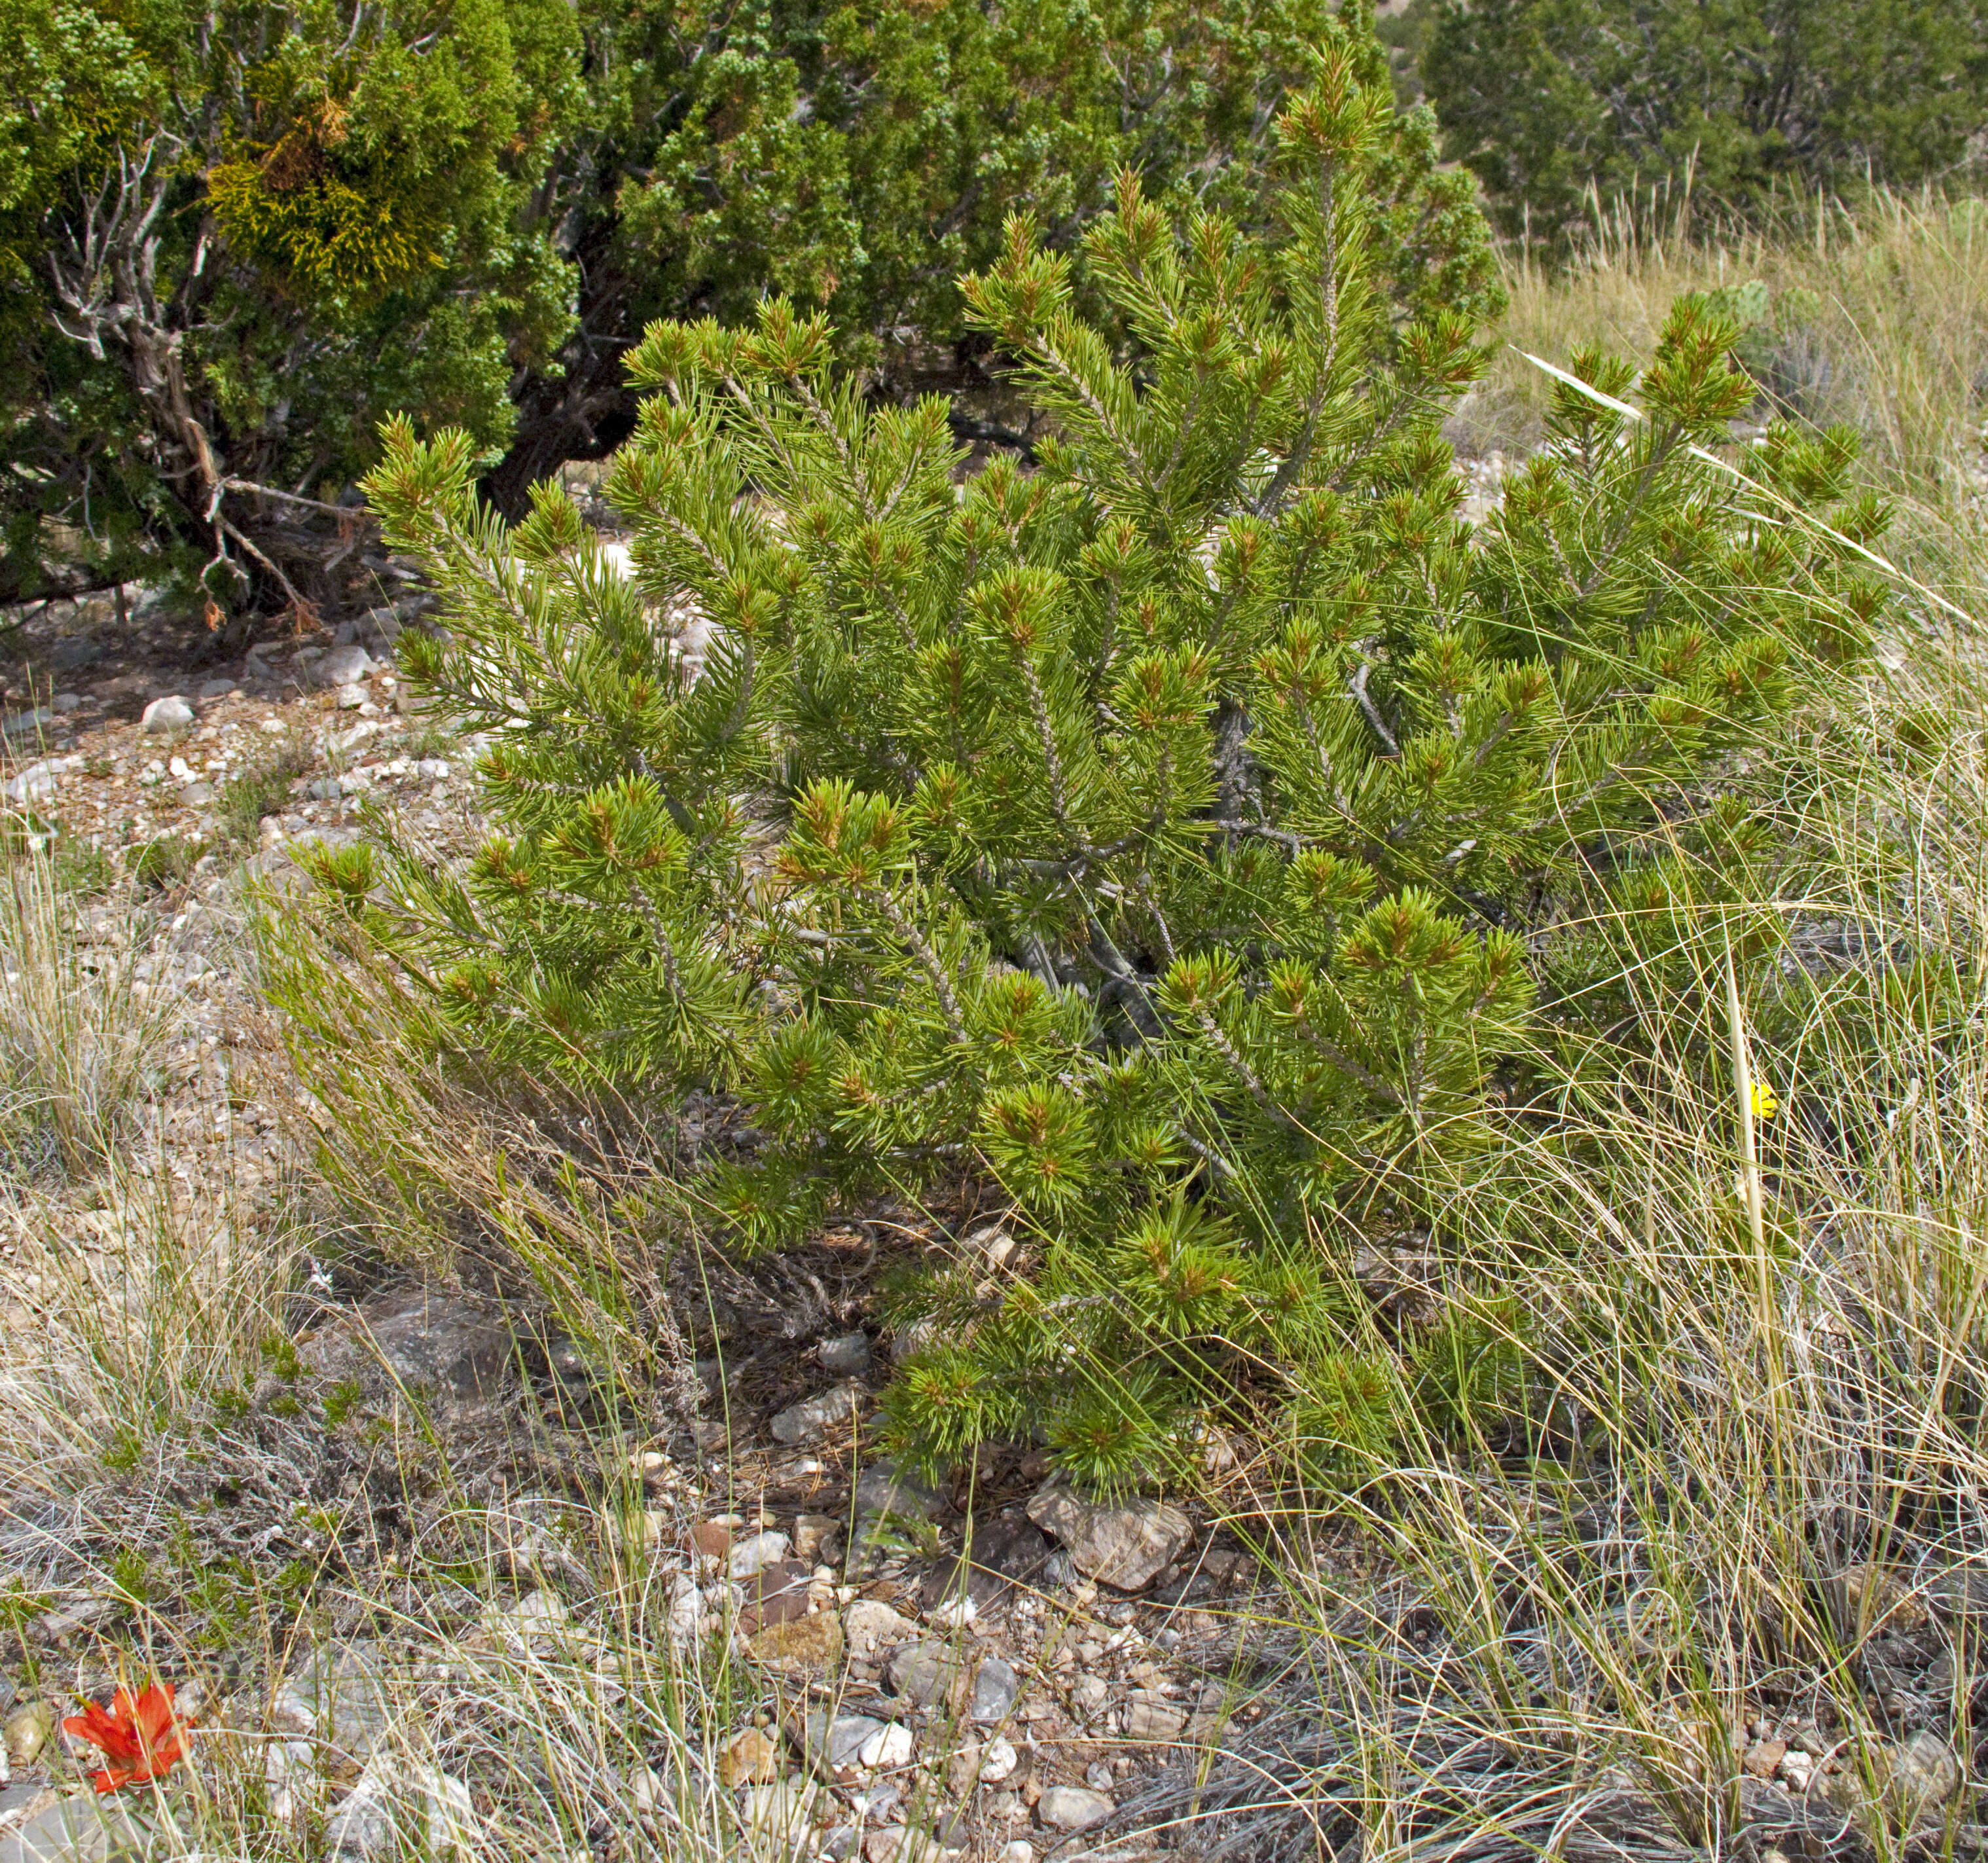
(233, 235)
(1557, 104)
(1170, 834)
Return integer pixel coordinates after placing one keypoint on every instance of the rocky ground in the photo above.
(429, 1585)
(973, 1673)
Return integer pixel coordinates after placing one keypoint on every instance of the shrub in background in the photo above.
(231, 240)
(1178, 833)
(1560, 107)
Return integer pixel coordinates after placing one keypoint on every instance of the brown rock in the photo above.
(776, 1593)
(812, 1645)
(1879, 1598)
(1763, 1757)
(709, 1539)
(749, 1758)
(998, 1553)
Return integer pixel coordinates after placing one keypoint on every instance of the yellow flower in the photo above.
(1765, 1105)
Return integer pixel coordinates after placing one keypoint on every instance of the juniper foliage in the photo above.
(1172, 833)
(1562, 107)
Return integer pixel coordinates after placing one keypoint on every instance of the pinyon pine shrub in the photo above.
(1178, 833)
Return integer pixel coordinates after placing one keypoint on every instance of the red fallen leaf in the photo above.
(139, 1739)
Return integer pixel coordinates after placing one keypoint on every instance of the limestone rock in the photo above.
(82, 1829)
(163, 714)
(1151, 1717)
(814, 1534)
(880, 1489)
(804, 1645)
(833, 1741)
(1925, 1773)
(980, 1764)
(337, 1697)
(922, 1673)
(532, 1621)
(846, 1357)
(890, 1746)
(343, 665)
(1882, 1599)
(755, 1553)
(1073, 1807)
(396, 1806)
(1124, 1543)
(778, 1811)
(751, 1757)
(874, 1628)
(812, 1416)
(995, 1685)
(445, 1341)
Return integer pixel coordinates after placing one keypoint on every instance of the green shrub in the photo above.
(1562, 106)
(231, 240)
(1180, 833)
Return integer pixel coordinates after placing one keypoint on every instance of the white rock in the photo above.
(538, 1613)
(290, 1768)
(890, 1745)
(777, 1811)
(344, 666)
(431, 769)
(872, 1629)
(37, 780)
(1073, 1807)
(993, 1242)
(755, 1553)
(984, 1763)
(172, 714)
(395, 1806)
(82, 1828)
(1021, 1851)
(1124, 1543)
(692, 1616)
(803, 1421)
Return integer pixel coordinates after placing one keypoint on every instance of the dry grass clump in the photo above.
(1878, 316)
(1744, 1496)
(80, 1032)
